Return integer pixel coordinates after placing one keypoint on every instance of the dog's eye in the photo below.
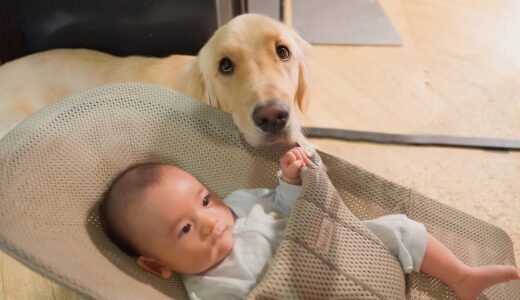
(226, 66)
(282, 52)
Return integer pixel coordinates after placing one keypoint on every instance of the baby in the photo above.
(172, 223)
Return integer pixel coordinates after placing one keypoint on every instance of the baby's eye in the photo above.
(186, 229)
(205, 201)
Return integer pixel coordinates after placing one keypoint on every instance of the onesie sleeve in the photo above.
(281, 199)
(285, 195)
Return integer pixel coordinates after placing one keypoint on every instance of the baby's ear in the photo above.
(153, 266)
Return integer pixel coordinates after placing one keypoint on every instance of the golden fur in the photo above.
(249, 41)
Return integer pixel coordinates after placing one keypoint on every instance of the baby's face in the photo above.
(181, 224)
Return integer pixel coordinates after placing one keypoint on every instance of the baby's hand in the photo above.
(291, 162)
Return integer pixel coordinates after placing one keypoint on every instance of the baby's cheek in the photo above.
(226, 245)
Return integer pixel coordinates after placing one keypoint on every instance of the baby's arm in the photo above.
(289, 187)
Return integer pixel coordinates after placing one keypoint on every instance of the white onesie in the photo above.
(261, 218)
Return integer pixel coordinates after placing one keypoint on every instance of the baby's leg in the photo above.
(404, 237)
(417, 250)
(467, 282)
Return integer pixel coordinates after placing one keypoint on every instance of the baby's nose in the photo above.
(208, 224)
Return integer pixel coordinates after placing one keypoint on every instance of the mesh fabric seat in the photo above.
(55, 165)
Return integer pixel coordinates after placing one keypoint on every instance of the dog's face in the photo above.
(254, 67)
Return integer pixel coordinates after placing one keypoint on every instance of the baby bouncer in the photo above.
(55, 165)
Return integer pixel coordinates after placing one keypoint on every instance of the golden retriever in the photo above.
(253, 67)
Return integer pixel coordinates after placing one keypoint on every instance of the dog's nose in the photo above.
(271, 117)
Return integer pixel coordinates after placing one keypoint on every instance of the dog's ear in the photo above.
(302, 91)
(199, 83)
(195, 83)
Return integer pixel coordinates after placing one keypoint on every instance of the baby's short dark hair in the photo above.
(126, 188)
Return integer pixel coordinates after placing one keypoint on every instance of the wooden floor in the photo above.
(457, 73)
